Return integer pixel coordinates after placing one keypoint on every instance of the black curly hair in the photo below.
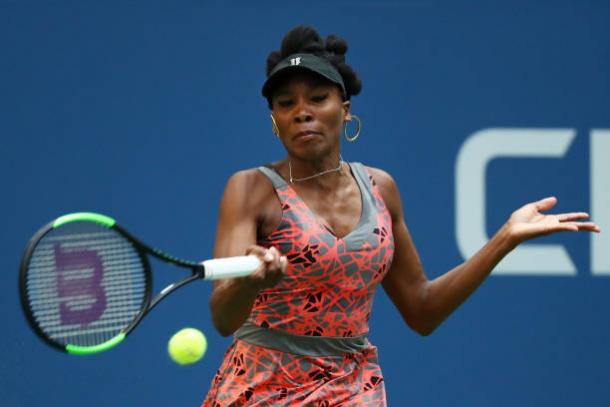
(305, 39)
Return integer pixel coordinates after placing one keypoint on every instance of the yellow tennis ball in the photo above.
(187, 346)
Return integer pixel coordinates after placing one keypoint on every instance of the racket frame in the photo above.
(143, 250)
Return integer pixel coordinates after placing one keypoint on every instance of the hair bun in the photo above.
(336, 45)
(301, 39)
(305, 39)
(272, 60)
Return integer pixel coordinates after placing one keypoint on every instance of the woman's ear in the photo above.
(346, 112)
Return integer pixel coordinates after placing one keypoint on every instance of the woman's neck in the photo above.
(302, 171)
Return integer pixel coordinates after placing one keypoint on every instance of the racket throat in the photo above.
(197, 274)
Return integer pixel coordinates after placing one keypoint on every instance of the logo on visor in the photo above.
(295, 61)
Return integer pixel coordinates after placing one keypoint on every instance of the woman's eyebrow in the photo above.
(282, 92)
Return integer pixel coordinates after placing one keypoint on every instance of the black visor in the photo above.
(308, 62)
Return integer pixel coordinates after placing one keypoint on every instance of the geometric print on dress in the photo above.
(327, 291)
(330, 282)
(259, 376)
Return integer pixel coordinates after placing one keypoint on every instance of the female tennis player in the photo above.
(328, 232)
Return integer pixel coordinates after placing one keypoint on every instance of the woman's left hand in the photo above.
(528, 221)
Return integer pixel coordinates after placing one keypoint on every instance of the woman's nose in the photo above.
(302, 113)
(303, 117)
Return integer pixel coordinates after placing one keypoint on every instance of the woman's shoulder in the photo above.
(254, 185)
(387, 188)
(382, 178)
(249, 181)
(250, 191)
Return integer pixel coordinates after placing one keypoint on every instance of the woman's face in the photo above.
(309, 112)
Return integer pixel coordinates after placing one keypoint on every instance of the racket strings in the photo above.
(85, 284)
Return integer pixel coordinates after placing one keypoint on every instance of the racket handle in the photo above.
(230, 267)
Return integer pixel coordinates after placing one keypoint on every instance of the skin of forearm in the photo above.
(443, 295)
(231, 303)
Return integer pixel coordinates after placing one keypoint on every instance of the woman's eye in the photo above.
(284, 102)
(319, 98)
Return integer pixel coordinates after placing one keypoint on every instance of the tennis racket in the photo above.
(85, 283)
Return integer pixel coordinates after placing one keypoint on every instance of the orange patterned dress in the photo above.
(305, 340)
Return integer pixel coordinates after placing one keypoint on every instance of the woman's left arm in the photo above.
(424, 304)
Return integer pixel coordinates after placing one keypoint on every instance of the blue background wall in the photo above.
(142, 109)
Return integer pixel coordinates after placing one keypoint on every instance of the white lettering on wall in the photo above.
(471, 166)
(600, 200)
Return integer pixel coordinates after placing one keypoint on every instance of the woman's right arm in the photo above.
(241, 207)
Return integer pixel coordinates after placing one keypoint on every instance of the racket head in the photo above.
(84, 283)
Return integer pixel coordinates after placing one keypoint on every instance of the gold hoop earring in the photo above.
(274, 128)
(353, 138)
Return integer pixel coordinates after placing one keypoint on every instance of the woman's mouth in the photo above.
(305, 135)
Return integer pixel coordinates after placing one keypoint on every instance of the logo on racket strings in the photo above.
(82, 298)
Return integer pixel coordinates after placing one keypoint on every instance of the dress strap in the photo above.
(273, 176)
(363, 176)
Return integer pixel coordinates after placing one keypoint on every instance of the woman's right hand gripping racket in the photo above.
(85, 283)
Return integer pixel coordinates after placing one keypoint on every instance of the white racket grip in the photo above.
(230, 267)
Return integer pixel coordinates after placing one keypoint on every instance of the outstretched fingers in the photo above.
(567, 220)
(530, 221)
(545, 204)
(585, 226)
(568, 217)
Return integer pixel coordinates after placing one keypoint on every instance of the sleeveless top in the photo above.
(305, 340)
(330, 282)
